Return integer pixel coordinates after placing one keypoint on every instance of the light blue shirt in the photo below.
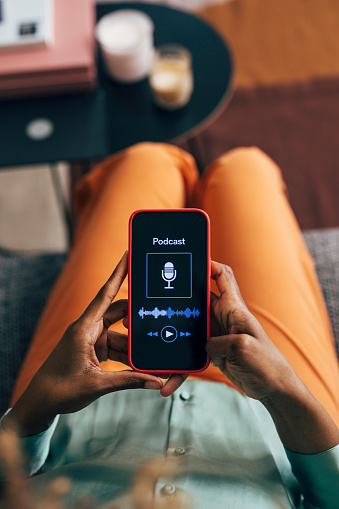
(227, 445)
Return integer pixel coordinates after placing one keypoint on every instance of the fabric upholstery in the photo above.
(324, 247)
(26, 281)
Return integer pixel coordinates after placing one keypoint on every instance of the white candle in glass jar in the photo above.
(126, 40)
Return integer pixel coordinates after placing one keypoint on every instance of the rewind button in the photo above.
(152, 334)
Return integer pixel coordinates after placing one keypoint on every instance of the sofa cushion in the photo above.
(26, 281)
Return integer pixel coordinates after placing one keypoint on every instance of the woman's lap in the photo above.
(253, 230)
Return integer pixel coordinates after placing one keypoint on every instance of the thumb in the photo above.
(112, 381)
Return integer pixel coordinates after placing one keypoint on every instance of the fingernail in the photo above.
(152, 385)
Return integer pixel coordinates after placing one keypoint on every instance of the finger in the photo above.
(103, 354)
(117, 341)
(111, 345)
(214, 297)
(114, 347)
(219, 347)
(125, 322)
(127, 379)
(232, 311)
(215, 329)
(173, 383)
(226, 282)
(107, 293)
(116, 311)
(232, 347)
(116, 355)
(230, 351)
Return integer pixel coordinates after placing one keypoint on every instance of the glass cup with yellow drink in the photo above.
(171, 77)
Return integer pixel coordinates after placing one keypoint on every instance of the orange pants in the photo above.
(253, 230)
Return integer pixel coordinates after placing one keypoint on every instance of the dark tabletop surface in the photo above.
(114, 116)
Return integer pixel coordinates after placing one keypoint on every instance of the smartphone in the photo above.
(169, 290)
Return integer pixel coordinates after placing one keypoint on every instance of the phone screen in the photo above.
(169, 290)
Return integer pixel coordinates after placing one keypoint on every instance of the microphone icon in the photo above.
(169, 274)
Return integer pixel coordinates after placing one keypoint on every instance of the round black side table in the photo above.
(114, 116)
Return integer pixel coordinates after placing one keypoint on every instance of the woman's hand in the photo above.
(241, 349)
(239, 346)
(71, 377)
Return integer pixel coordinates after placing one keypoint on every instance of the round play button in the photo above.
(169, 334)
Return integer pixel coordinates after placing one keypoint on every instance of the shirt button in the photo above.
(168, 489)
(179, 451)
(185, 396)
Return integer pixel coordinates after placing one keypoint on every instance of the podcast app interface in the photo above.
(169, 290)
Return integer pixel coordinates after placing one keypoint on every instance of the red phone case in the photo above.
(129, 288)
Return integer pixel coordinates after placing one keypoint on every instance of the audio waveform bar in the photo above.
(169, 312)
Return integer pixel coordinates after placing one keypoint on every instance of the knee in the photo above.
(245, 157)
(242, 163)
(150, 151)
(146, 149)
(150, 159)
(141, 162)
(245, 154)
(163, 161)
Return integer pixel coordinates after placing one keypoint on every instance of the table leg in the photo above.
(64, 207)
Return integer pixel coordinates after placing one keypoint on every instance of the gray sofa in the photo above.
(25, 283)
